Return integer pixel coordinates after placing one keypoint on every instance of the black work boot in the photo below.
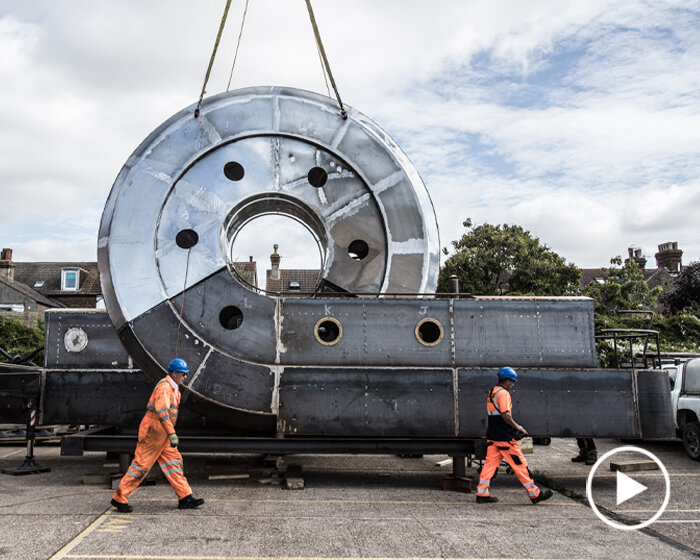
(591, 458)
(486, 500)
(542, 496)
(580, 458)
(122, 508)
(190, 502)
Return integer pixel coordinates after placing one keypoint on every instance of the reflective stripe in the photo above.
(137, 468)
(137, 475)
(529, 485)
(494, 413)
(482, 491)
(534, 492)
(493, 399)
(168, 463)
(484, 482)
(171, 471)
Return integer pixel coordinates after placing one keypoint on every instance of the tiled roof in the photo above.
(31, 293)
(307, 280)
(248, 270)
(652, 276)
(589, 275)
(30, 273)
(658, 277)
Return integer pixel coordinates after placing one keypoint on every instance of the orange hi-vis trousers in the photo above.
(509, 451)
(153, 444)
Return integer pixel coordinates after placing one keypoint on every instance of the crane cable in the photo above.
(213, 55)
(327, 66)
(238, 44)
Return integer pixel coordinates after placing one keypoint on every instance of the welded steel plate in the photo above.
(165, 243)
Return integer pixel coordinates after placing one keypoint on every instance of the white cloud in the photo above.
(578, 120)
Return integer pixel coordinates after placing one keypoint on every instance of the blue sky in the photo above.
(579, 121)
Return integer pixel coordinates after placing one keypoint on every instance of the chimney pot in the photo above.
(7, 267)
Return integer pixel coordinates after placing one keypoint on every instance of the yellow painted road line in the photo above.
(63, 553)
(13, 453)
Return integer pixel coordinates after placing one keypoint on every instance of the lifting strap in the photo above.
(213, 55)
(327, 66)
(238, 44)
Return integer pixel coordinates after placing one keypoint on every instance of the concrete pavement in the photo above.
(351, 507)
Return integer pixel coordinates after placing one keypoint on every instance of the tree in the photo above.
(18, 339)
(624, 288)
(506, 259)
(686, 295)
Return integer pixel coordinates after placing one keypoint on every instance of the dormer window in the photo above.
(39, 284)
(70, 279)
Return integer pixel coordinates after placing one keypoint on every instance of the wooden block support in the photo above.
(452, 483)
(632, 466)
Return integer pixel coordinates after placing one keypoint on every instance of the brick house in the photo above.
(669, 265)
(48, 284)
(279, 280)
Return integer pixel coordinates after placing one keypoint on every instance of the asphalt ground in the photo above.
(357, 506)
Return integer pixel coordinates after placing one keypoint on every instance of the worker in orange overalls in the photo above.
(501, 443)
(158, 441)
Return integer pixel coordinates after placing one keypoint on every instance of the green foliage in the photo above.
(677, 333)
(506, 259)
(624, 288)
(18, 339)
(686, 295)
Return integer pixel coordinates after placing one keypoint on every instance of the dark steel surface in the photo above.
(102, 346)
(95, 397)
(524, 332)
(655, 407)
(556, 403)
(112, 441)
(375, 332)
(17, 385)
(371, 402)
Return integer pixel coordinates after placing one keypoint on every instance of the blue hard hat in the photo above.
(507, 373)
(178, 364)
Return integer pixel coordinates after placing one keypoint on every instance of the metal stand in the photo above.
(29, 466)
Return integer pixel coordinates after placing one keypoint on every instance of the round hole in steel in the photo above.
(186, 238)
(429, 332)
(231, 317)
(358, 249)
(317, 177)
(234, 171)
(328, 331)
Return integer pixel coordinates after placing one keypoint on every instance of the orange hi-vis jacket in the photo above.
(501, 445)
(165, 403)
(498, 402)
(153, 444)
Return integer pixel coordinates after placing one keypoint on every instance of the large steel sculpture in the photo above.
(373, 353)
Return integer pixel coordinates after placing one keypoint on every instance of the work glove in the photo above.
(174, 440)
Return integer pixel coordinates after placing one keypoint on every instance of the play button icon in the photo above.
(627, 488)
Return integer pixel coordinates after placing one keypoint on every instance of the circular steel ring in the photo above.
(165, 238)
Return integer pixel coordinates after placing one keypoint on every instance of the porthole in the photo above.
(186, 238)
(328, 331)
(358, 249)
(429, 332)
(231, 317)
(234, 171)
(317, 177)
